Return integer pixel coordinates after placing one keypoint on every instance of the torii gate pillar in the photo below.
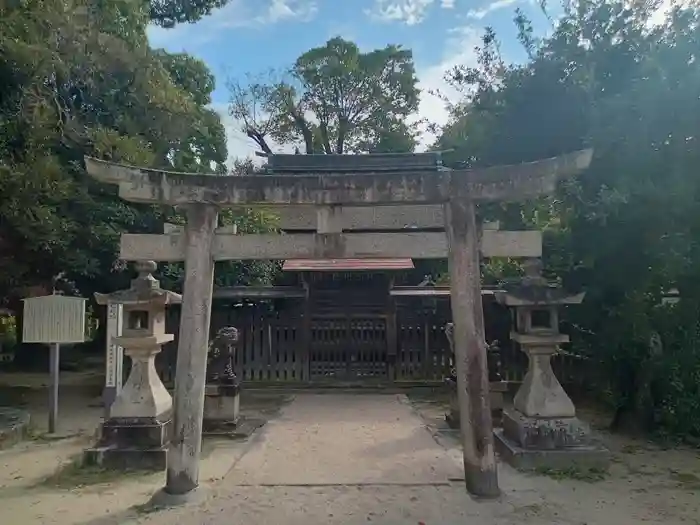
(480, 473)
(193, 339)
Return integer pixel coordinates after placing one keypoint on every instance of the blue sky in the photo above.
(252, 36)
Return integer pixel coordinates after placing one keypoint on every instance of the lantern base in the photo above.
(155, 459)
(556, 443)
(221, 408)
(134, 444)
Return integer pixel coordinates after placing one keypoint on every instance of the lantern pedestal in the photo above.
(137, 433)
(542, 430)
(221, 409)
(554, 443)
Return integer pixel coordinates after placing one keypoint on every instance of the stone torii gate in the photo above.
(200, 244)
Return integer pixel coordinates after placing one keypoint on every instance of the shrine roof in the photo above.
(344, 265)
(373, 163)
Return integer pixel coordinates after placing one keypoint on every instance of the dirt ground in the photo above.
(350, 459)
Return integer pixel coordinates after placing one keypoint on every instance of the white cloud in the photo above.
(235, 14)
(458, 51)
(409, 12)
(284, 10)
(662, 10)
(489, 8)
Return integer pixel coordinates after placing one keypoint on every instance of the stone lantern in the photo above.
(541, 429)
(136, 433)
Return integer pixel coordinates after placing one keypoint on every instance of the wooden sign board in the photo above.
(54, 319)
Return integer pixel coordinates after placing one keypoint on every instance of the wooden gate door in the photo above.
(348, 348)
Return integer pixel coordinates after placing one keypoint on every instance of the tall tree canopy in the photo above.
(167, 13)
(628, 228)
(334, 99)
(79, 78)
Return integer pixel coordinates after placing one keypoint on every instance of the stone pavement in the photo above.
(357, 459)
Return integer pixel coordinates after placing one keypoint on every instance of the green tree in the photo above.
(168, 13)
(77, 79)
(334, 99)
(628, 228)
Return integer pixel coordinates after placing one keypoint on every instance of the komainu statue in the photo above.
(220, 357)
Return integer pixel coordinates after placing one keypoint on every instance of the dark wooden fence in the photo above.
(272, 348)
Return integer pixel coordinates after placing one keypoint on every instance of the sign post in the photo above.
(54, 320)
(114, 358)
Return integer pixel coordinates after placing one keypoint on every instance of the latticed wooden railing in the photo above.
(273, 348)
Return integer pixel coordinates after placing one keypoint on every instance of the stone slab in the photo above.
(154, 459)
(543, 433)
(221, 410)
(145, 435)
(591, 456)
(420, 245)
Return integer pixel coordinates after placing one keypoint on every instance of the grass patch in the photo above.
(76, 474)
(631, 449)
(589, 475)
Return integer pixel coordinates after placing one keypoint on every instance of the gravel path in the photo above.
(358, 459)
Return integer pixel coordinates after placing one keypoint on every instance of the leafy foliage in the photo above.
(334, 99)
(78, 78)
(167, 13)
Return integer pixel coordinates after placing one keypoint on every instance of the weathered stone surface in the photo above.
(362, 218)
(420, 245)
(221, 407)
(154, 459)
(515, 182)
(132, 445)
(544, 433)
(190, 377)
(541, 395)
(143, 395)
(588, 456)
(136, 433)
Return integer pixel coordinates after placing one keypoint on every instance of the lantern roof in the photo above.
(145, 290)
(534, 290)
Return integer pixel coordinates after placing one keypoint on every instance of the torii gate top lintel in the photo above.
(426, 186)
